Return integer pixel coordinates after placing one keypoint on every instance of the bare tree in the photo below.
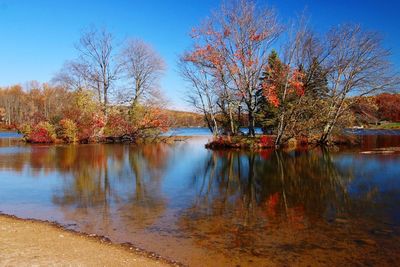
(201, 94)
(233, 46)
(143, 67)
(358, 65)
(96, 64)
(72, 76)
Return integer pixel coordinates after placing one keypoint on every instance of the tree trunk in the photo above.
(231, 120)
(251, 123)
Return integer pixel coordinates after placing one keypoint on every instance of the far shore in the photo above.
(31, 242)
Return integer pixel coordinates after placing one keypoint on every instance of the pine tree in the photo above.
(315, 80)
(267, 113)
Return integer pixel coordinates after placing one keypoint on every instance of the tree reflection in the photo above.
(146, 203)
(242, 196)
(125, 177)
(87, 183)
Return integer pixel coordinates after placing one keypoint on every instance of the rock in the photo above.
(340, 220)
(369, 242)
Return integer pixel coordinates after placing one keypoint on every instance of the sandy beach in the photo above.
(31, 243)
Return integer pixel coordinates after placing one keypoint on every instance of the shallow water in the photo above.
(201, 131)
(205, 208)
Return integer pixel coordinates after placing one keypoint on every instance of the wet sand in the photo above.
(31, 243)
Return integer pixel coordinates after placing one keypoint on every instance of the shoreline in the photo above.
(130, 253)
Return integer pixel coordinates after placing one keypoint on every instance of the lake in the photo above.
(216, 208)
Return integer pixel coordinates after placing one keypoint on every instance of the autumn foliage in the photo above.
(42, 132)
(68, 131)
(374, 109)
(388, 107)
(280, 78)
(80, 118)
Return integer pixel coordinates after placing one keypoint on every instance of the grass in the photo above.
(263, 141)
(388, 126)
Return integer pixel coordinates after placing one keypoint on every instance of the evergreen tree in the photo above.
(267, 113)
(315, 80)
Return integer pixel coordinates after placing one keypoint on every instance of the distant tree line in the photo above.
(376, 109)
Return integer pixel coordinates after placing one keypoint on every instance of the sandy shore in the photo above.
(31, 243)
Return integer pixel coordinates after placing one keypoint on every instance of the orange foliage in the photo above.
(278, 77)
(388, 106)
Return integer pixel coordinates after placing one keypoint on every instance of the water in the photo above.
(371, 132)
(189, 132)
(206, 208)
(201, 131)
(6, 135)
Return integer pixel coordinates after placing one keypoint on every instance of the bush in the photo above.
(25, 129)
(117, 125)
(90, 126)
(43, 132)
(67, 131)
(267, 141)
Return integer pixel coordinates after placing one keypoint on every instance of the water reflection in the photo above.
(107, 176)
(214, 208)
(244, 198)
(282, 187)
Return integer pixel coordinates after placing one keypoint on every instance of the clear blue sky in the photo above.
(36, 37)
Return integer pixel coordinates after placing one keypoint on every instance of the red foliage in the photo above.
(154, 118)
(266, 153)
(274, 84)
(89, 124)
(388, 107)
(118, 125)
(272, 203)
(266, 140)
(271, 95)
(41, 134)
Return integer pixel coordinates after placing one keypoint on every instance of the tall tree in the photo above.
(358, 65)
(283, 89)
(267, 115)
(232, 46)
(201, 94)
(143, 66)
(96, 67)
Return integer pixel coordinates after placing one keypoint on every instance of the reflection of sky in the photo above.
(13, 150)
(372, 132)
(9, 135)
(29, 195)
(376, 177)
(379, 170)
(178, 178)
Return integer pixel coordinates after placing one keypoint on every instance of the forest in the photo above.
(245, 68)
